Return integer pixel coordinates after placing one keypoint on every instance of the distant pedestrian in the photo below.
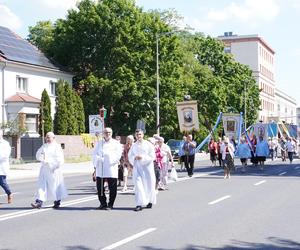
(189, 147)
(50, 182)
(127, 167)
(227, 150)
(243, 152)
(167, 162)
(213, 151)
(181, 153)
(262, 151)
(219, 153)
(290, 147)
(106, 159)
(142, 155)
(5, 150)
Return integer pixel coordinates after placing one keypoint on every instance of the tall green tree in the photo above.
(41, 35)
(79, 113)
(72, 128)
(61, 114)
(45, 119)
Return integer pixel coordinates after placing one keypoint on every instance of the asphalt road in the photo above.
(255, 210)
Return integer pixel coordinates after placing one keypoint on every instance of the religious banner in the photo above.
(261, 129)
(95, 125)
(293, 130)
(272, 129)
(231, 125)
(188, 116)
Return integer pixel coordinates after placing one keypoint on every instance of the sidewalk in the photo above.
(31, 170)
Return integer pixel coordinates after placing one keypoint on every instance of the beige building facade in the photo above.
(254, 51)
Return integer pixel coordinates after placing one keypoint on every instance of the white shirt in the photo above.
(106, 158)
(4, 157)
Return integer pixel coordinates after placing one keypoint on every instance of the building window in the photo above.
(52, 87)
(22, 84)
(31, 123)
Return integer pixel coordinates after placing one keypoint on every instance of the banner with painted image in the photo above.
(261, 129)
(187, 112)
(231, 125)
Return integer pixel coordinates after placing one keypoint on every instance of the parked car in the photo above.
(174, 146)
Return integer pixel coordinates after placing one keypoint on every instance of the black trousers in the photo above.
(189, 164)
(112, 186)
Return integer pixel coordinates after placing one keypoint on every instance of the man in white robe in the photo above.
(106, 157)
(5, 150)
(50, 182)
(141, 156)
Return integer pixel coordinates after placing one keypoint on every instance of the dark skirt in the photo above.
(213, 156)
(228, 162)
(261, 158)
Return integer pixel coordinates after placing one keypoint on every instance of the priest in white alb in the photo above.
(50, 182)
(141, 155)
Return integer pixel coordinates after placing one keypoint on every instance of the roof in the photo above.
(21, 97)
(14, 48)
(246, 38)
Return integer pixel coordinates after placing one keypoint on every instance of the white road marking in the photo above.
(131, 238)
(260, 182)
(282, 173)
(11, 193)
(35, 211)
(297, 167)
(220, 199)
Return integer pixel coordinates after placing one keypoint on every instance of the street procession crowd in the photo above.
(147, 161)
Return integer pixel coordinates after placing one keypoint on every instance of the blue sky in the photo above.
(274, 20)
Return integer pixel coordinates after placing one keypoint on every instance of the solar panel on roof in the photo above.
(17, 49)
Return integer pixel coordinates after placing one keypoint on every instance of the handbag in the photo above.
(173, 174)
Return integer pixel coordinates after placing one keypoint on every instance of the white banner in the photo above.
(231, 123)
(188, 116)
(95, 124)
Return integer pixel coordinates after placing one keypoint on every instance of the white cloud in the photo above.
(64, 4)
(8, 18)
(253, 11)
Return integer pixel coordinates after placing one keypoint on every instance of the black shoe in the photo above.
(149, 205)
(36, 205)
(56, 204)
(102, 207)
(109, 207)
(138, 208)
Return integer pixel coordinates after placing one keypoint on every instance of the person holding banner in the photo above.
(106, 157)
(189, 147)
(262, 151)
(227, 150)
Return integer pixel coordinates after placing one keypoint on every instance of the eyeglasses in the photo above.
(107, 132)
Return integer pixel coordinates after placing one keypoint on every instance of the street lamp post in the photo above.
(245, 104)
(157, 87)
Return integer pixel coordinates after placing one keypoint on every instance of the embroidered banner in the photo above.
(188, 116)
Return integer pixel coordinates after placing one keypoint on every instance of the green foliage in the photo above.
(110, 46)
(72, 128)
(41, 35)
(61, 114)
(79, 113)
(45, 114)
